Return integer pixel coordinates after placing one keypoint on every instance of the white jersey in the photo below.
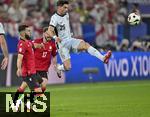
(61, 23)
(2, 29)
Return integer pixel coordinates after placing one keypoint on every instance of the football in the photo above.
(134, 19)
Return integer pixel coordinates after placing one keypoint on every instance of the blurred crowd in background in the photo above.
(105, 15)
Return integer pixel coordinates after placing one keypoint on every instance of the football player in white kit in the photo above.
(59, 29)
(3, 45)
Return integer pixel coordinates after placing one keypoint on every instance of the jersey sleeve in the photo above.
(54, 50)
(53, 21)
(21, 48)
(32, 43)
(2, 32)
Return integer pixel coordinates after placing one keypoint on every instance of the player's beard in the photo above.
(27, 37)
(47, 38)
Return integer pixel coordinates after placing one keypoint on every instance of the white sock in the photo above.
(94, 52)
(61, 67)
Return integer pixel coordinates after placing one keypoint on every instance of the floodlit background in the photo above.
(85, 91)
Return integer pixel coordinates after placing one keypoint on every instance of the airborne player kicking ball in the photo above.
(59, 29)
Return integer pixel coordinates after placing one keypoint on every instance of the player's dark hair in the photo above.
(62, 2)
(22, 27)
(45, 29)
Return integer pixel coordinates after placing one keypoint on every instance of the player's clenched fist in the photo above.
(58, 40)
(4, 63)
(19, 72)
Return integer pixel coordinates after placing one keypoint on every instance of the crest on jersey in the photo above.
(20, 49)
(20, 44)
(50, 48)
(61, 27)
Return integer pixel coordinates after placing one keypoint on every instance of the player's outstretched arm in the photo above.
(51, 32)
(19, 64)
(5, 52)
(54, 61)
(37, 45)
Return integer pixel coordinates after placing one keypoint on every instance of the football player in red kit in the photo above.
(26, 64)
(26, 60)
(43, 56)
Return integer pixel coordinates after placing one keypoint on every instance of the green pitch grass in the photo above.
(107, 99)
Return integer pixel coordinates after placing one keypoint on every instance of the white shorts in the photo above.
(67, 45)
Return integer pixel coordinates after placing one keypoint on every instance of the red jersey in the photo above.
(28, 62)
(43, 55)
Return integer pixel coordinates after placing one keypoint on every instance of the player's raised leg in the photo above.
(92, 51)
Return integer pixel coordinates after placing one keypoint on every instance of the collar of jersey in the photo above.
(22, 39)
(60, 15)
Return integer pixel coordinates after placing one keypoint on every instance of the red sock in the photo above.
(43, 89)
(21, 90)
